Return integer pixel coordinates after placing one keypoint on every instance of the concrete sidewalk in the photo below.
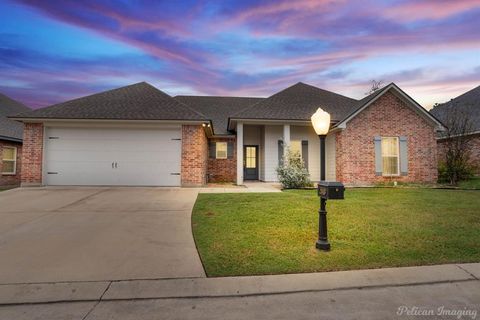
(188, 288)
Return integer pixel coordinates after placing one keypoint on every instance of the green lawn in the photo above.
(246, 234)
(472, 183)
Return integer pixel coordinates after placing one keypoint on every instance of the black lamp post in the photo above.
(322, 242)
(326, 190)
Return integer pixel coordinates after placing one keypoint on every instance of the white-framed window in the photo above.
(221, 150)
(390, 156)
(9, 160)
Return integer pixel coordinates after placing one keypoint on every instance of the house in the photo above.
(465, 106)
(138, 135)
(11, 135)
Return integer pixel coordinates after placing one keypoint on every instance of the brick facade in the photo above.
(11, 179)
(32, 155)
(223, 170)
(194, 156)
(388, 116)
(473, 147)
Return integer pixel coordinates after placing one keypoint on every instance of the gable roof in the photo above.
(140, 101)
(10, 129)
(468, 103)
(299, 102)
(368, 100)
(218, 109)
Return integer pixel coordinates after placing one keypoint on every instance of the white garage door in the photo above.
(106, 156)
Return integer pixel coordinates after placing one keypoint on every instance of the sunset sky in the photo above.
(52, 51)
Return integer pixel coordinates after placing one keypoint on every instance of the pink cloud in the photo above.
(430, 9)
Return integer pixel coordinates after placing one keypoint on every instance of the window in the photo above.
(390, 156)
(296, 147)
(221, 150)
(9, 160)
(251, 157)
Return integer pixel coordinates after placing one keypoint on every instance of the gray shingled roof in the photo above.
(10, 129)
(299, 102)
(468, 103)
(139, 101)
(218, 109)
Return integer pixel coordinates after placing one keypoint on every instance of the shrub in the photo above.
(454, 171)
(292, 173)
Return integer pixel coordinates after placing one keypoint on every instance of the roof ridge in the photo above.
(208, 96)
(460, 96)
(88, 96)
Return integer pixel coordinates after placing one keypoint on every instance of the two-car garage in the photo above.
(135, 135)
(107, 156)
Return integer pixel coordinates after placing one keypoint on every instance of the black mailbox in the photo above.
(331, 190)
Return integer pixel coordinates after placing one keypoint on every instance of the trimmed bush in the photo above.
(292, 173)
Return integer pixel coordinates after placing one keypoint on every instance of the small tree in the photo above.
(376, 85)
(456, 165)
(292, 173)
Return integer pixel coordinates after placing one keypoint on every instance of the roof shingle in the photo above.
(468, 103)
(10, 129)
(299, 102)
(218, 109)
(139, 101)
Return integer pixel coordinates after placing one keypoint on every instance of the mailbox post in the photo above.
(326, 190)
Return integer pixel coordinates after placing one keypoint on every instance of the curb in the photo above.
(189, 288)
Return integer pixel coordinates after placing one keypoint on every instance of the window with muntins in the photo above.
(296, 147)
(390, 156)
(9, 160)
(221, 150)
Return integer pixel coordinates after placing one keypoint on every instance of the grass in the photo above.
(472, 183)
(251, 234)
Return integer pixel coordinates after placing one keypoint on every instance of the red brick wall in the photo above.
(473, 147)
(32, 154)
(223, 170)
(388, 116)
(11, 179)
(194, 156)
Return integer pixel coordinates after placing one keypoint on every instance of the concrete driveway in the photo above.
(92, 234)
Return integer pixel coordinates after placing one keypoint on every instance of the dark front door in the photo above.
(250, 162)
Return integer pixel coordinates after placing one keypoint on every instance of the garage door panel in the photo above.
(81, 156)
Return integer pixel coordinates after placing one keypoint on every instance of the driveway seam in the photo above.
(98, 301)
(466, 271)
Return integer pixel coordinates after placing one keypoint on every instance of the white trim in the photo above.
(398, 155)
(44, 120)
(286, 139)
(459, 135)
(239, 153)
(231, 122)
(419, 108)
(14, 172)
(216, 149)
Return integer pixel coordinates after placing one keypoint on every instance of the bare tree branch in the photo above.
(376, 85)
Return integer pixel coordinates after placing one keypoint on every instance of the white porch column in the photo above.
(286, 138)
(239, 153)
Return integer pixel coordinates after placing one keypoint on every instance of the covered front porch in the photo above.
(262, 145)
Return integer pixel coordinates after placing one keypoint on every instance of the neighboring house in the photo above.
(138, 135)
(467, 106)
(11, 135)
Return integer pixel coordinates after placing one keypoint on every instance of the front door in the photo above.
(250, 162)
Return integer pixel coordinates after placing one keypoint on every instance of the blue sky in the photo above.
(52, 51)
